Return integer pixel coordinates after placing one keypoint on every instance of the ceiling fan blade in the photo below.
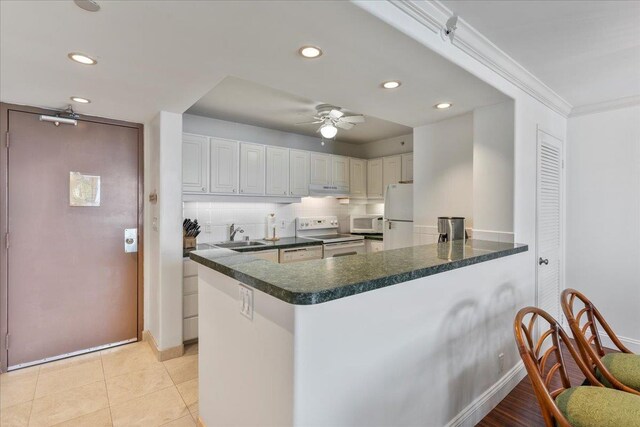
(344, 125)
(335, 113)
(310, 123)
(352, 119)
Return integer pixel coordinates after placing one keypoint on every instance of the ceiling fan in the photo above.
(331, 118)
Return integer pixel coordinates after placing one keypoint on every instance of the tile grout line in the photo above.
(106, 389)
(33, 401)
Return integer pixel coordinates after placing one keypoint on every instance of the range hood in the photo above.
(317, 190)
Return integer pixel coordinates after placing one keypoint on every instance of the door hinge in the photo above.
(6, 342)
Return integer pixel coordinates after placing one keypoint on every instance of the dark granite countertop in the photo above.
(370, 236)
(283, 243)
(317, 281)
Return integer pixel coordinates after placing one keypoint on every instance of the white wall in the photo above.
(259, 135)
(493, 171)
(443, 170)
(163, 233)
(252, 216)
(387, 147)
(529, 114)
(603, 215)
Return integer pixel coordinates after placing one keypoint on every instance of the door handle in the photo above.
(543, 261)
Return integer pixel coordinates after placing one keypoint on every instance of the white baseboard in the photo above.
(631, 343)
(479, 408)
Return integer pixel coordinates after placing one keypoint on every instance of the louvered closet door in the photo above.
(549, 217)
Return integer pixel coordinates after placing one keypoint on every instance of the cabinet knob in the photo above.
(242, 191)
(285, 193)
(204, 189)
(233, 191)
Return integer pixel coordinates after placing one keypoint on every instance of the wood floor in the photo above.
(520, 407)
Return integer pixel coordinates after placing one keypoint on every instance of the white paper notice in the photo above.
(84, 190)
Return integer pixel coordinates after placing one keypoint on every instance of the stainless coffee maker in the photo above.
(451, 228)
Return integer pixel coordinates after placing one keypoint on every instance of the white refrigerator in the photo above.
(398, 216)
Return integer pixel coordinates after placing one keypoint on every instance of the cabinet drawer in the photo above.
(190, 285)
(189, 305)
(189, 268)
(190, 328)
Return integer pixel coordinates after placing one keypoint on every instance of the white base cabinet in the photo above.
(189, 300)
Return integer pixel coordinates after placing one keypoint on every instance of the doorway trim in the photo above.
(4, 210)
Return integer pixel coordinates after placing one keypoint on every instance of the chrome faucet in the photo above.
(233, 230)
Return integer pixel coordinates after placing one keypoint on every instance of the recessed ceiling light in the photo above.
(443, 105)
(310, 51)
(391, 84)
(80, 100)
(82, 58)
(88, 5)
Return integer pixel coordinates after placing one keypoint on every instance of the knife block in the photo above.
(188, 242)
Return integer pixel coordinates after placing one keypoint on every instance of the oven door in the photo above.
(332, 250)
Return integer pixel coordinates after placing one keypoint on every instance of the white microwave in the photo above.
(371, 224)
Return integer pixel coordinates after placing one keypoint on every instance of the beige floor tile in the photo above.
(183, 368)
(69, 362)
(191, 349)
(186, 421)
(74, 376)
(101, 418)
(153, 409)
(17, 387)
(135, 384)
(16, 416)
(69, 404)
(19, 374)
(194, 409)
(128, 358)
(189, 391)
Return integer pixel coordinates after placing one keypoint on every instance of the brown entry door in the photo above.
(71, 285)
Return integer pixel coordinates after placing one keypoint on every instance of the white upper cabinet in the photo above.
(223, 176)
(340, 171)
(252, 175)
(407, 167)
(391, 171)
(277, 171)
(358, 178)
(195, 163)
(320, 165)
(299, 173)
(374, 179)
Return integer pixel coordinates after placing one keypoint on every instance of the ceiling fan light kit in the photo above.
(330, 118)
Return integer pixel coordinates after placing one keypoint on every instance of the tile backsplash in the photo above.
(216, 217)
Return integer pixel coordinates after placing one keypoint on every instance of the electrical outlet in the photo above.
(501, 363)
(207, 227)
(282, 225)
(246, 300)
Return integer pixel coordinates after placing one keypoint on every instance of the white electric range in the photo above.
(325, 229)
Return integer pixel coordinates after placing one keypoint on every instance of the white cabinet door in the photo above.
(224, 166)
(320, 169)
(407, 167)
(391, 171)
(299, 173)
(195, 163)
(340, 171)
(377, 246)
(277, 171)
(251, 168)
(270, 255)
(374, 179)
(358, 178)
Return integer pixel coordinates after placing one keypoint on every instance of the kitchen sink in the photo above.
(239, 244)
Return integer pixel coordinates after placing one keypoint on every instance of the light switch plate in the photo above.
(246, 300)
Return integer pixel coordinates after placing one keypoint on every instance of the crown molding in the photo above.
(433, 15)
(599, 107)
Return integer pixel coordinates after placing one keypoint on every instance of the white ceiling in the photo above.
(165, 55)
(586, 51)
(246, 102)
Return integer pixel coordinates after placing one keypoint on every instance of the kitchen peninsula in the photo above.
(316, 343)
